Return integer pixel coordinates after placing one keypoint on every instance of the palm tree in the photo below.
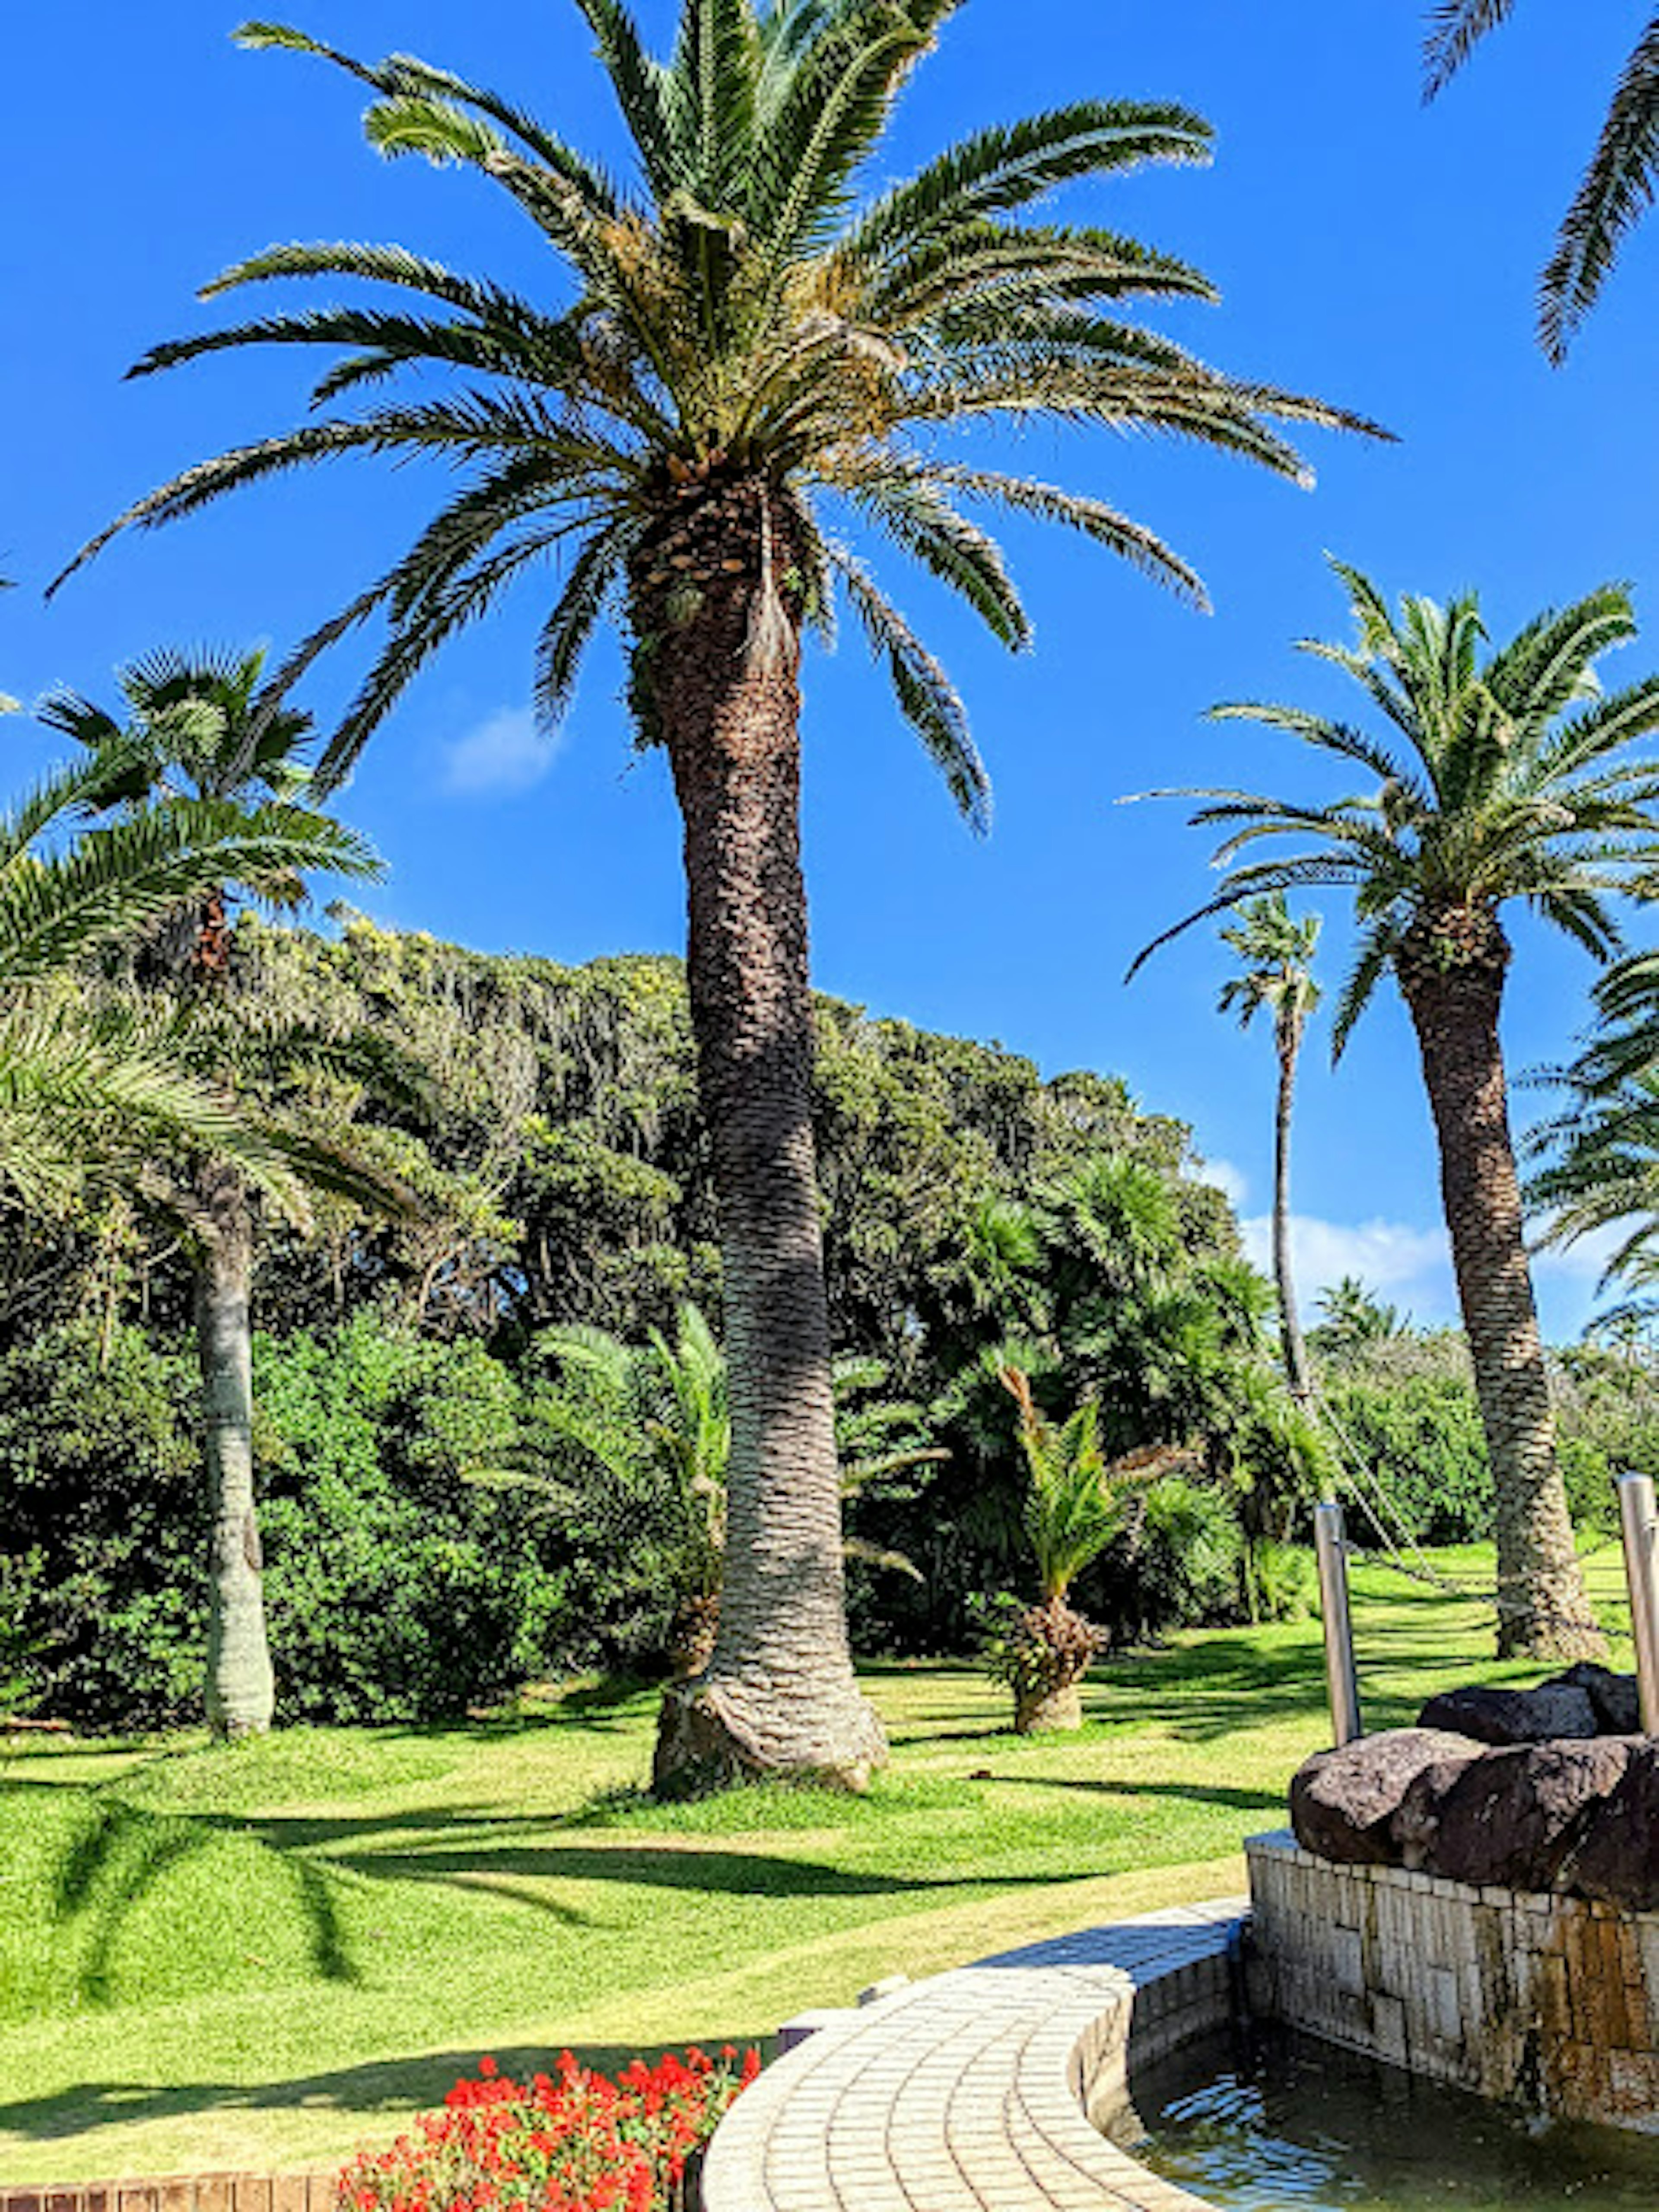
(1614, 190)
(741, 342)
(1277, 952)
(1352, 1316)
(1076, 1504)
(88, 1092)
(1503, 777)
(196, 729)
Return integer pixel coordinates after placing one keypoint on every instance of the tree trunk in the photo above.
(716, 668)
(239, 1692)
(1451, 969)
(1289, 1321)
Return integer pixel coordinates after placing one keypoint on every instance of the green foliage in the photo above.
(1419, 1440)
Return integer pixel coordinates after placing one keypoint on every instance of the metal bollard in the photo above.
(1339, 1674)
(1639, 1525)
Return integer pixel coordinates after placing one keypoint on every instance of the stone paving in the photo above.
(969, 2092)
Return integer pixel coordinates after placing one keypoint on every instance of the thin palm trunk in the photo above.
(1289, 1321)
(779, 1694)
(1451, 971)
(239, 1689)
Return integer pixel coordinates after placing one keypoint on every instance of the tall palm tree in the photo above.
(1277, 953)
(1504, 776)
(196, 727)
(1614, 191)
(741, 341)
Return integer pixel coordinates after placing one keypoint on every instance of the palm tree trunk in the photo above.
(1451, 970)
(239, 1691)
(779, 1694)
(1289, 1321)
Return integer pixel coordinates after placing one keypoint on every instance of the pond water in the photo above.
(1261, 2121)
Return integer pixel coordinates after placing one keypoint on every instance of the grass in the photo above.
(263, 1956)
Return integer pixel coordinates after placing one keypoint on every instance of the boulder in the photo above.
(1417, 1820)
(1616, 1701)
(1617, 1858)
(1512, 1818)
(1547, 1715)
(1342, 1801)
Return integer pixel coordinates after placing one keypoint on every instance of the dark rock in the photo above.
(1544, 1715)
(1342, 1801)
(1617, 1857)
(1512, 1818)
(1417, 1820)
(1616, 1701)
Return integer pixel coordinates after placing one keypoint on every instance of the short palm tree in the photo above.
(1505, 776)
(194, 728)
(1276, 953)
(741, 344)
(1615, 190)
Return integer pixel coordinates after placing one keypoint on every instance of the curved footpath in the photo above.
(970, 2092)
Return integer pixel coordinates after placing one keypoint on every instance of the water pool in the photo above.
(1261, 2121)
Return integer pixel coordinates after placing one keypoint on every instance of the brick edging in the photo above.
(184, 2192)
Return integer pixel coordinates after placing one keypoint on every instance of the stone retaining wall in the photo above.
(187, 2192)
(1549, 2000)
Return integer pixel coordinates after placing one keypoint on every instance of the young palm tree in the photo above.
(196, 728)
(742, 344)
(1277, 952)
(1615, 190)
(1505, 776)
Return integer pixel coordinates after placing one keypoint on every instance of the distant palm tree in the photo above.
(1277, 952)
(1352, 1316)
(1504, 777)
(1615, 190)
(195, 727)
(740, 341)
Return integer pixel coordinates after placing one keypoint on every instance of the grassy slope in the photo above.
(260, 1957)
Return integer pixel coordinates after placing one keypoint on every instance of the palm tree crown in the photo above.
(1615, 190)
(1275, 952)
(196, 724)
(734, 320)
(1497, 781)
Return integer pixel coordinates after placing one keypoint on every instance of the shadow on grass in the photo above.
(396, 2089)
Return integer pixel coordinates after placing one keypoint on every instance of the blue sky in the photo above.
(1366, 250)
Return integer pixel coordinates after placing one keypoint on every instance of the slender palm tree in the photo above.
(1277, 953)
(1505, 776)
(1614, 191)
(742, 344)
(87, 1092)
(195, 727)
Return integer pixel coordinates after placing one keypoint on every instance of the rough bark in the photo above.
(1289, 1321)
(1451, 969)
(716, 620)
(239, 1689)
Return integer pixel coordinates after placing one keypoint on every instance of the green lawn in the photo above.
(260, 1957)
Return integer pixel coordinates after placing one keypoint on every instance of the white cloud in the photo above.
(1231, 1182)
(503, 753)
(1387, 1256)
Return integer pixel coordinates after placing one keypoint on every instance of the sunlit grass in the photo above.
(259, 1956)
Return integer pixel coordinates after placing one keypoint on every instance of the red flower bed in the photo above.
(572, 2142)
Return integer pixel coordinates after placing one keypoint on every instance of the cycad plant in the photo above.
(1505, 776)
(1614, 191)
(1275, 952)
(196, 733)
(744, 347)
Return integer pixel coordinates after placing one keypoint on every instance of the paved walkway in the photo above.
(967, 2092)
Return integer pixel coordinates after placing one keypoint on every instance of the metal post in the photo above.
(1639, 1524)
(1339, 1673)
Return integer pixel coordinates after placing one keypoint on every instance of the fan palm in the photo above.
(742, 345)
(1276, 951)
(1505, 776)
(1615, 190)
(196, 730)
